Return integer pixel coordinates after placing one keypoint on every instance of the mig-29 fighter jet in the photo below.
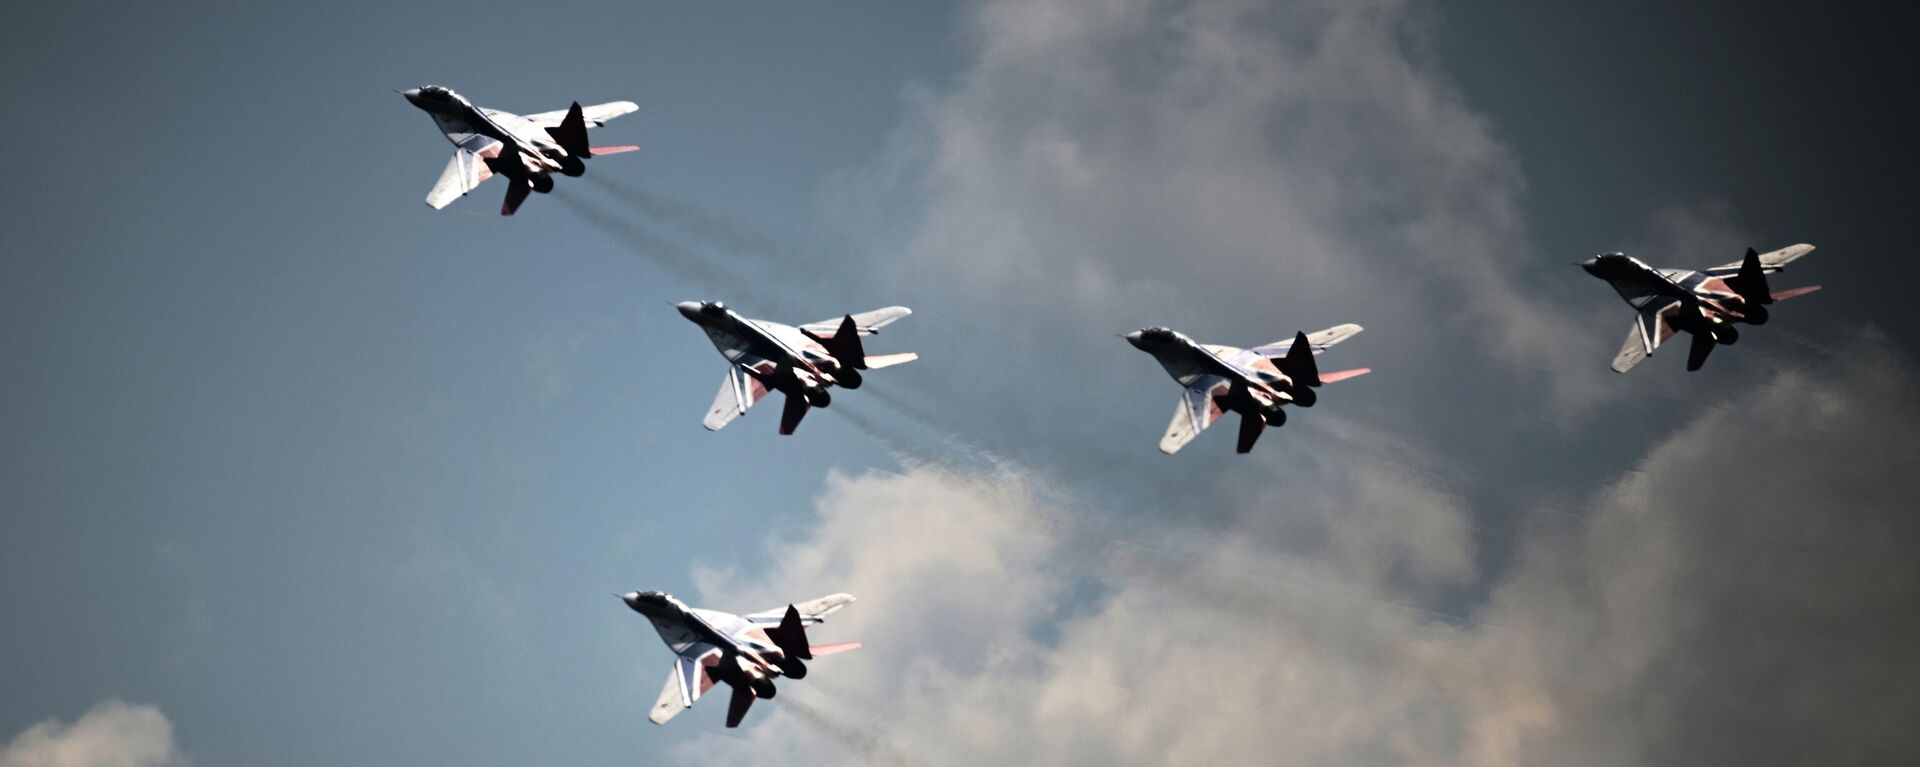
(745, 652)
(1252, 382)
(527, 149)
(798, 362)
(1705, 304)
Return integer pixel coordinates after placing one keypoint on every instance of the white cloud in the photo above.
(1694, 611)
(111, 734)
(1253, 168)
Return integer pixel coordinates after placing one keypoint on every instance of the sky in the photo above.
(299, 471)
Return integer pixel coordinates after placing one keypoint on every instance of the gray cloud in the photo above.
(111, 734)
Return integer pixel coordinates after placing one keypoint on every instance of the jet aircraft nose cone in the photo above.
(632, 598)
(1133, 338)
(1591, 265)
(689, 309)
(412, 94)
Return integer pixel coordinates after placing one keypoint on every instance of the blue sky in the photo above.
(328, 477)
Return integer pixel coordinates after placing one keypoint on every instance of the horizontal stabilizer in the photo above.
(820, 650)
(877, 361)
(1782, 295)
(600, 151)
(1342, 375)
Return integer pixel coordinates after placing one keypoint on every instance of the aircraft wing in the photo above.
(866, 323)
(597, 115)
(1195, 412)
(1769, 262)
(465, 171)
(1320, 340)
(1650, 329)
(737, 393)
(811, 611)
(686, 682)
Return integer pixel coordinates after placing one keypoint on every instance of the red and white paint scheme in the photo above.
(1706, 304)
(1256, 383)
(801, 362)
(745, 652)
(527, 149)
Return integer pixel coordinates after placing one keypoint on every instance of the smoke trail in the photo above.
(870, 748)
(694, 222)
(684, 263)
(947, 451)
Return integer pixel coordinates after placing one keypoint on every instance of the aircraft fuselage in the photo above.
(1706, 300)
(1260, 387)
(536, 154)
(800, 364)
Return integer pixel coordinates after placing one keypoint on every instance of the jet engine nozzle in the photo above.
(793, 668)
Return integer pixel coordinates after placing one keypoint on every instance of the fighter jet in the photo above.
(1706, 304)
(528, 149)
(798, 362)
(1252, 382)
(746, 652)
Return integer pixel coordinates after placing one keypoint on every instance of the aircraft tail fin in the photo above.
(571, 133)
(1299, 364)
(737, 707)
(1703, 344)
(791, 635)
(1751, 281)
(790, 415)
(516, 193)
(1251, 427)
(844, 345)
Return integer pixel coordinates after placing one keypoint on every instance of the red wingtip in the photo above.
(606, 150)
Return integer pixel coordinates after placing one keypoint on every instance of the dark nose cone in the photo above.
(413, 96)
(689, 309)
(1592, 265)
(632, 598)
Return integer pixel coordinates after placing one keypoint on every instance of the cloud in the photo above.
(1693, 611)
(111, 734)
(1241, 169)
